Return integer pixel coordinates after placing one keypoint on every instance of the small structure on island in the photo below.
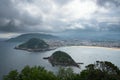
(34, 44)
(61, 58)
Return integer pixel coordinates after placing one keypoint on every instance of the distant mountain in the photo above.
(25, 37)
(34, 44)
(91, 35)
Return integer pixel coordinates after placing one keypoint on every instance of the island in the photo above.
(34, 45)
(61, 58)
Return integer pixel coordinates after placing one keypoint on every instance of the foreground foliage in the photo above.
(98, 71)
(31, 73)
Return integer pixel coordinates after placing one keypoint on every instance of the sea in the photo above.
(11, 59)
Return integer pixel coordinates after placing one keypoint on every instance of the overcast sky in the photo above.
(19, 16)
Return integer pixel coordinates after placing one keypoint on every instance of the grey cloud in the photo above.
(9, 13)
(7, 9)
(94, 25)
(108, 3)
(62, 2)
(14, 19)
(11, 26)
(30, 20)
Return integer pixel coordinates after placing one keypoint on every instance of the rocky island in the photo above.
(34, 44)
(61, 58)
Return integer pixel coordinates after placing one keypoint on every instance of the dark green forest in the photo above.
(34, 43)
(62, 58)
(100, 70)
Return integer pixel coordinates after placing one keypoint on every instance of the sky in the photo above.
(57, 16)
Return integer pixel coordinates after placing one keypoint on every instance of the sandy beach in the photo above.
(113, 48)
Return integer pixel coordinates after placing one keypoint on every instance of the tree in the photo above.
(31, 73)
(101, 70)
(65, 74)
(13, 75)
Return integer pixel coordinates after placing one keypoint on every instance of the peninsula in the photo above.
(34, 45)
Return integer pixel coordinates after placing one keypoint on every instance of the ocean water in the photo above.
(11, 58)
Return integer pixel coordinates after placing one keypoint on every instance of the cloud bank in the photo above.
(59, 15)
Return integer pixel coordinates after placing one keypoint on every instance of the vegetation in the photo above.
(31, 73)
(101, 71)
(66, 74)
(34, 44)
(98, 71)
(62, 58)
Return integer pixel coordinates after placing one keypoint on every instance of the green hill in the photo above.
(61, 58)
(34, 44)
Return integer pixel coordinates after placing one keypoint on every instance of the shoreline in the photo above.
(82, 46)
(34, 50)
(113, 48)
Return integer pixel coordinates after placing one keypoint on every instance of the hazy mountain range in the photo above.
(25, 37)
(71, 35)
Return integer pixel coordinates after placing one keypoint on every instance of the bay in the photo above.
(11, 58)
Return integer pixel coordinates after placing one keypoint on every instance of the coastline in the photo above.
(113, 48)
(34, 50)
